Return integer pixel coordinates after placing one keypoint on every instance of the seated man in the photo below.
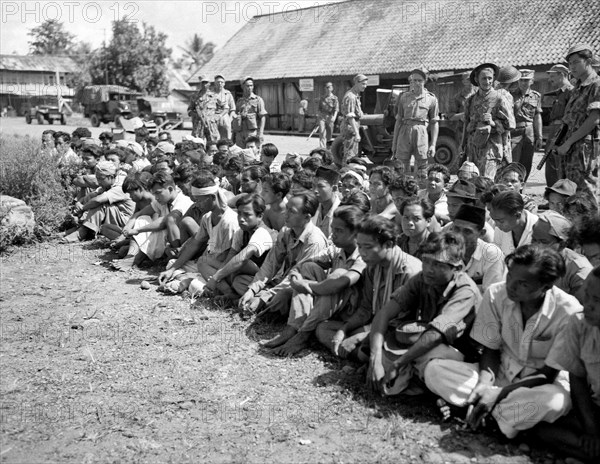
(576, 351)
(517, 323)
(296, 243)
(513, 176)
(212, 242)
(106, 206)
(484, 261)
(553, 230)
(250, 182)
(382, 202)
(463, 192)
(438, 176)
(439, 303)
(319, 294)
(388, 268)
(249, 248)
(326, 190)
(149, 237)
(86, 181)
(275, 187)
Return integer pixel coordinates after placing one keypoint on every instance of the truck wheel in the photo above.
(95, 119)
(27, 118)
(50, 121)
(40, 119)
(446, 153)
(63, 120)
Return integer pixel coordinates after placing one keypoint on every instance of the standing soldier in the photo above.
(225, 106)
(329, 107)
(527, 135)
(415, 111)
(487, 116)
(352, 112)
(202, 111)
(459, 102)
(250, 114)
(579, 152)
(559, 80)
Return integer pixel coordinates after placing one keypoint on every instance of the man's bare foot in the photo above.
(125, 264)
(294, 345)
(280, 339)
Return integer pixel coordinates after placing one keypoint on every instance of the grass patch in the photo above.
(32, 175)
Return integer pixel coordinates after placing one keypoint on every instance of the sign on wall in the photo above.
(373, 79)
(306, 85)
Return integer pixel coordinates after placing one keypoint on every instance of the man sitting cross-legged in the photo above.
(388, 268)
(249, 248)
(518, 323)
(107, 205)
(298, 242)
(425, 319)
(318, 294)
(212, 242)
(149, 237)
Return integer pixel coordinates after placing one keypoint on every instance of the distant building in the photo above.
(33, 75)
(302, 49)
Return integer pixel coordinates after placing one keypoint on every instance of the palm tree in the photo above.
(196, 52)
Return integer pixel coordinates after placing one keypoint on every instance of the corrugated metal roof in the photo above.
(394, 36)
(38, 63)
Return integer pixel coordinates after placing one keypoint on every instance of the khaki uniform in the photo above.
(203, 109)
(328, 107)
(561, 98)
(526, 107)
(414, 113)
(350, 109)
(249, 111)
(225, 104)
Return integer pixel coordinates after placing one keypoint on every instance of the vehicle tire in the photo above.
(95, 119)
(28, 118)
(40, 119)
(50, 121)
(158, 121)
(447, 153)
(63, 120)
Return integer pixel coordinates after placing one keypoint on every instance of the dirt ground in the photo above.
(97, 370)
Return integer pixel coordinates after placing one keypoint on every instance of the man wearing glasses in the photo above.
(415, 111)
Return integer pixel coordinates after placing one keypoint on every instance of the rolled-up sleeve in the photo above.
(451, 320)
(565, 353)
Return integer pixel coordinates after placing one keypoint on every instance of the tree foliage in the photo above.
(134, 58)
(50, 38)
(196, 53)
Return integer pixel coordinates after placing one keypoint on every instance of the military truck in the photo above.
(161, 111)
(44, 108)
(377, 132)
(108, 103)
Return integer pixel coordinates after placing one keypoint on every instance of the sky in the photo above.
(90, 21)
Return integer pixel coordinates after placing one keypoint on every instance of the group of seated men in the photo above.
(463, 289)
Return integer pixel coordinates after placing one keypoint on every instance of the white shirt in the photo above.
(486, 266)
(505, 239)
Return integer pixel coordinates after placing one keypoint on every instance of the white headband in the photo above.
(356, 175)
(204, 191)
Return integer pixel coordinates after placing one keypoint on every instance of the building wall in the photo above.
(30, 77)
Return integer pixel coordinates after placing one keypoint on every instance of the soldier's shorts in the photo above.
(412, 140)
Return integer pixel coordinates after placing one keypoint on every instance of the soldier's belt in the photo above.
(414, 122)
(520, 125)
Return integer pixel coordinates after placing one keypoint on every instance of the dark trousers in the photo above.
(522, 147)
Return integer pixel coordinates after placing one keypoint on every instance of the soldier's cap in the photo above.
(475, 73)
(471, 213)
(360, 78)
(579, 47)
(527, 74)
(508, 75)
(221, 76)
(469, 166)
(563, 187)
(513, 167)
(244, 79)
(202, 78)
(462, 189)
(559, 68)
(165, 147)
(420, 71)
(328, 174)
(560, 226)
